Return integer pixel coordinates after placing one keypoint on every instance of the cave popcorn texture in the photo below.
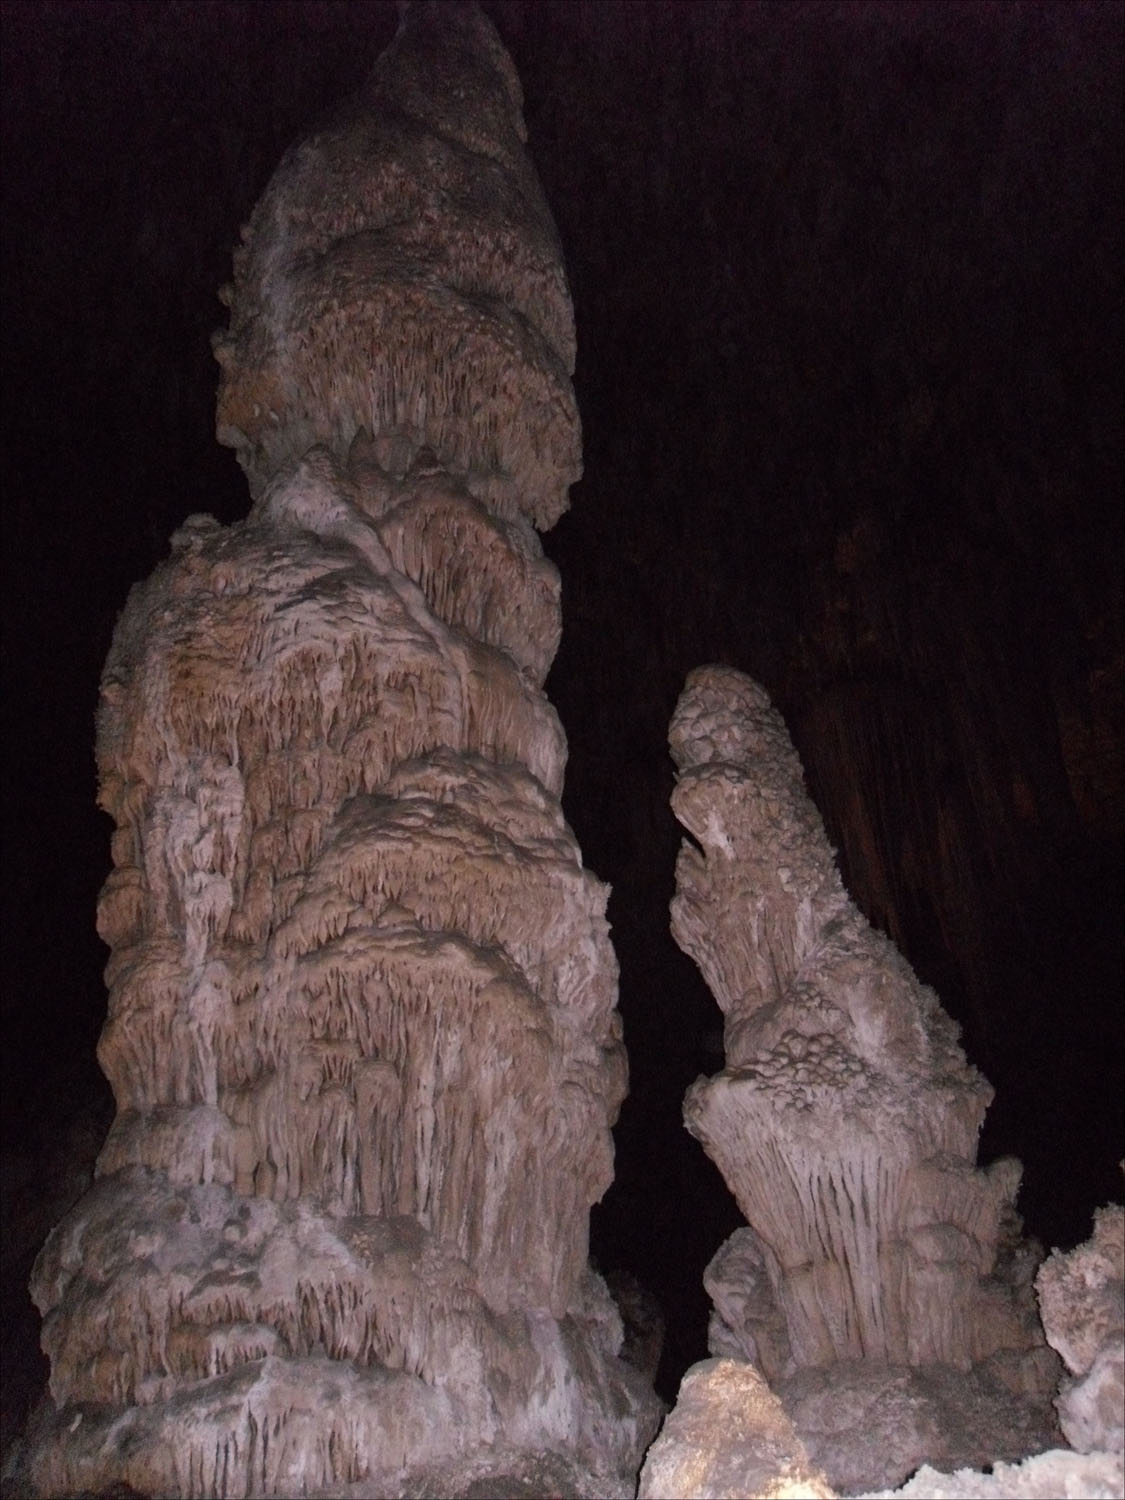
(361, 1032)
(846, 1118)
(1082, 1301)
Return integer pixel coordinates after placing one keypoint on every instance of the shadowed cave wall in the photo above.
(846, 285)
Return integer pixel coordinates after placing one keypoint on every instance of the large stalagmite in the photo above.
(846, 1118)
(362, 1031)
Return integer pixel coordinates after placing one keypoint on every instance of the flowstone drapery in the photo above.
(846, 1118)
(361, 1029)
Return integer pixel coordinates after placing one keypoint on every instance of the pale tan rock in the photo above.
(402, 277)
(846, 1119)
(1082, 1302)
(1058, 1475)
(728, 1438)
(882, 1284)
(362, 1032)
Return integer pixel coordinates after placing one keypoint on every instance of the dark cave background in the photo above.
(848, 287)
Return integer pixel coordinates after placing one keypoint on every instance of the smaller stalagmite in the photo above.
(846, 1118)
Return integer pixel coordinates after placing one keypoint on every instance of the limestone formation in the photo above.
(869, 1424)
(1057, 1475)
(729, 1435)
(846, 1118)
(362, 1031)
(727, 1438)
(1082, 1301)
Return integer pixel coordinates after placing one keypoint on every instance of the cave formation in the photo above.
(846, 1122)
(877, 473)
(361, 1034)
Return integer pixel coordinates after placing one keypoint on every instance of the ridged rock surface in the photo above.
(402, 273)
(1082, 1302)
(846, 1118)
(362, 1031)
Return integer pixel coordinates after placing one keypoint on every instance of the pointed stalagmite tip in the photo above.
(402, 275)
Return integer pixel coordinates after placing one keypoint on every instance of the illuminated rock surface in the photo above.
(1082, 1302)
(727, 1438)
(1057, 1475)
(846, 1118)
(362, 1033)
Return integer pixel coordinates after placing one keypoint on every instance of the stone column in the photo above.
(846, 1118)
(362, 1032)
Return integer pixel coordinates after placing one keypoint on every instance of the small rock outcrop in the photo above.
(727, 1438)
(846, 1118)
(362, 1032)
(869, 1424)
(1082, 1302)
